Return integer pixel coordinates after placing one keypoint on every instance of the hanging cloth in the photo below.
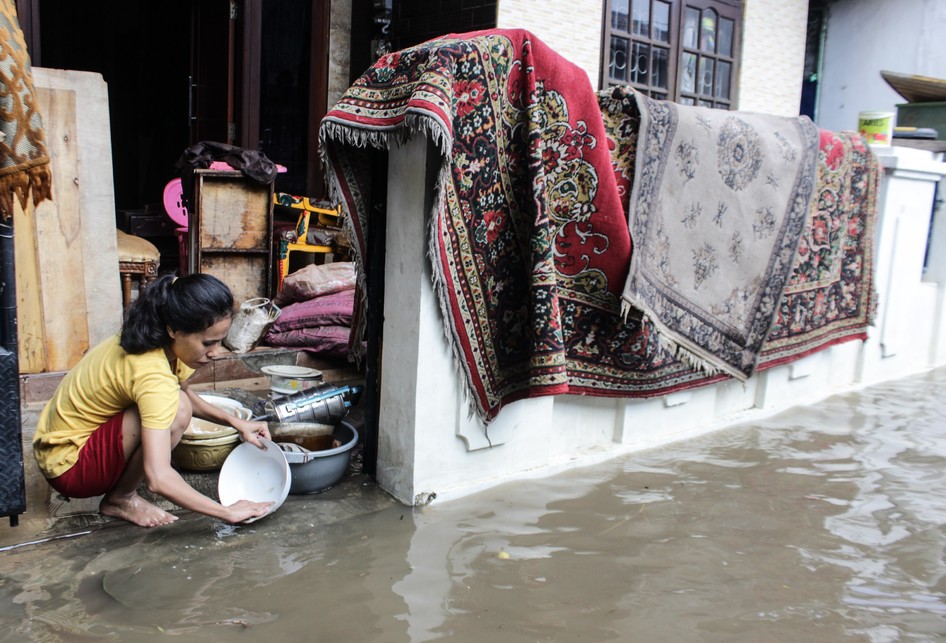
(24, 158)
(253, 164)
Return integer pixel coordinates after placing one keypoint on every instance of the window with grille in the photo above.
(681, 50)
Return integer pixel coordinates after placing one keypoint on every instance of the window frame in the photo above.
(728, 9)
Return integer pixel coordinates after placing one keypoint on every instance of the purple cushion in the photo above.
(324, 340)
(327, 310)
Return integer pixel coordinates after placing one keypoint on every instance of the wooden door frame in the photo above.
(27, 14)
(250, 46)
(248, 82)
(318, 94)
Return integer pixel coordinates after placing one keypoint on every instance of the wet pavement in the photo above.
(823, 523)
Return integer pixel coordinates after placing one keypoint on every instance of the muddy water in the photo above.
(825, 523)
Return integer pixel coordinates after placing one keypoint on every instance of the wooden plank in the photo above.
(68, 289)
(31, 326)
(244, 274)
(59, 238)
(96, 195)
(234, 213)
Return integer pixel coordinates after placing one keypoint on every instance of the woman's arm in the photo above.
(164, 480)
(250, 431)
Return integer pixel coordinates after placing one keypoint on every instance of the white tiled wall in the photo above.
(773, 56)
(570, 27)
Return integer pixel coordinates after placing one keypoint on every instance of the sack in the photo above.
(316, 280)
(250, 323)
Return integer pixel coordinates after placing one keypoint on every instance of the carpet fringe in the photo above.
(354, 139)
(437, 132)
(460, 365)
(690, 356)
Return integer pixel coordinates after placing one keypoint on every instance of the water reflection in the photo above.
(822, 523)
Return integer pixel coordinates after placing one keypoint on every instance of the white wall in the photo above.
(773, 56)
(866, 36)
(430, 448)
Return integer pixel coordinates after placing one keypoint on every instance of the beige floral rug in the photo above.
(716, 213)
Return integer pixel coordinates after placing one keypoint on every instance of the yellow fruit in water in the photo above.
(502, 555)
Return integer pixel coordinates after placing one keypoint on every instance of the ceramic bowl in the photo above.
(258, 475)
(314, 471)
(205, 445)
(231, 406)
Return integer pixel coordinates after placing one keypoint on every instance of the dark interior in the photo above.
(166, 65)
(141, 49)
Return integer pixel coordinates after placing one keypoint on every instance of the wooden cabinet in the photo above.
(231, 232)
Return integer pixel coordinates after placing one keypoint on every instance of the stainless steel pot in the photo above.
(322, 404)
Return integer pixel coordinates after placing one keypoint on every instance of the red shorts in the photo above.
(101, 463)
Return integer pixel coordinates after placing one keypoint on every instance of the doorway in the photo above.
(248, 72)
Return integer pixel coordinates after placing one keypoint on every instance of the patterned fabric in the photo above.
(316, 280)
(334, 309)
(529, 246)
(529, 238)
(717, 209)
(24, 160)
(830, 297)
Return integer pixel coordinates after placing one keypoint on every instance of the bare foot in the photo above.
(135, 509)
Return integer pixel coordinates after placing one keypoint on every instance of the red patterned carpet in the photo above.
(530, 241)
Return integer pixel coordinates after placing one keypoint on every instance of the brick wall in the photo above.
(773, 56)
(773, 53)
(570, 27)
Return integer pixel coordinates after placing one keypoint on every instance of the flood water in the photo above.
(824, 523)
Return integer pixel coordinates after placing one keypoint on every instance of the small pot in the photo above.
(204, 453)
(287, 379)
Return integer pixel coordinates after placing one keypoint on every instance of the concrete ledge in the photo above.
(228, 370)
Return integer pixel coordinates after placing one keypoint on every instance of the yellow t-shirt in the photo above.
(105, 382)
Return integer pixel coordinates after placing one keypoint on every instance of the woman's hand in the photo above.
(251, 431)
(242, 510)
